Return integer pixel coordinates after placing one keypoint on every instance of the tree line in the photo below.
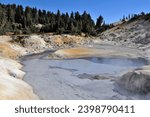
(19, 20)
(132, 17)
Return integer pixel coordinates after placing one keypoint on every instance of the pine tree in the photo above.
(11, 13)
(124, 18)
(19, 14)
(28, 15)
(3, 19)
(35, 16)
(66, 20)
(99, 22)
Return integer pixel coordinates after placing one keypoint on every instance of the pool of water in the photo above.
(120, 61)
(95, 65)
(82, 78)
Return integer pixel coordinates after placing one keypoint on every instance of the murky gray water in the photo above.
(84, 78)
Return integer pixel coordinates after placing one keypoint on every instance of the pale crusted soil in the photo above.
(11, 84)
(10, 73)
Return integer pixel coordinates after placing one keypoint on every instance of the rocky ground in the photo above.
(128, 40)
(134, 34)
(13, 47)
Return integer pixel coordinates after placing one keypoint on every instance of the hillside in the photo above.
(132, 33)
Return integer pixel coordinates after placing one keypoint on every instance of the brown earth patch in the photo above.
(7, 51)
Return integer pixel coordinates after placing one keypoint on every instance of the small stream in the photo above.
(82, 78)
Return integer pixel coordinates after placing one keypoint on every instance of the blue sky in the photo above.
(111, 10)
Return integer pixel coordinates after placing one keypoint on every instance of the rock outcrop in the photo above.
(133, 34)
(136, 82)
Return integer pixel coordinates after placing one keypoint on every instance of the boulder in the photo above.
(136, 82)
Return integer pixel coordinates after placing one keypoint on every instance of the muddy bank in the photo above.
(103, 52)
